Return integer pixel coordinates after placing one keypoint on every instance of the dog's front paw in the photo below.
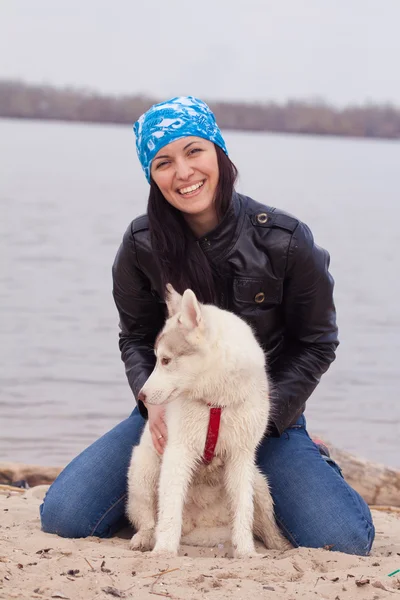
(142, 540)
(247, 551)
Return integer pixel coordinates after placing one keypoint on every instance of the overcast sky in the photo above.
(343, 51)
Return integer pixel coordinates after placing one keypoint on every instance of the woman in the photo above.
(256, 261)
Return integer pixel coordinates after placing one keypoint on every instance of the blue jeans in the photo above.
(314, 505)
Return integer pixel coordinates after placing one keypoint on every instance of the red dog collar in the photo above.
(212, 434)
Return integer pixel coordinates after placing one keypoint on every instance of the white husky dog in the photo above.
(205, 357)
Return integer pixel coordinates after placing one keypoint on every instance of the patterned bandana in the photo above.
(171, 120)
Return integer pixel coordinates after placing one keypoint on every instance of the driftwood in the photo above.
(11, 473)
(377, 484)
(4, 488)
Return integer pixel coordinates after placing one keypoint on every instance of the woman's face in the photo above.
(186, 172)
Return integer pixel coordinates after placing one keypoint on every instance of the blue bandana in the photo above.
(171, 120)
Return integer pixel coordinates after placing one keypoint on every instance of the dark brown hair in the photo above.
(177, 252)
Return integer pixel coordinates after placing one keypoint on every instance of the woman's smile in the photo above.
(191, 190)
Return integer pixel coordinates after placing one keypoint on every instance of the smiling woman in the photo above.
(192, 178)
(250, 259)
(187, 177)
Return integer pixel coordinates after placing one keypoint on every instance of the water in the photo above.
(67, 194)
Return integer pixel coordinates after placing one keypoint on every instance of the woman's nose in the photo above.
(183, 170)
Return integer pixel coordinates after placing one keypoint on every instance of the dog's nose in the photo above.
(142, 396)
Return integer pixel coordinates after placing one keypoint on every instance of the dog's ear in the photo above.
(173, 300)
(190, 310)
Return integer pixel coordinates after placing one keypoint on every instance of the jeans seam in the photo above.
(124, 495)
(290, 536)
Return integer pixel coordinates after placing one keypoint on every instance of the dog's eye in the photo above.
(165, 361)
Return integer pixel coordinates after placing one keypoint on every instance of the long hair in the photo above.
(178, 255)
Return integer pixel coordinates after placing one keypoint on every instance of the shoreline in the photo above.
(229, 129)
(378, 484)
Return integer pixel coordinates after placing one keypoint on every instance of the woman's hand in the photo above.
(157, 426)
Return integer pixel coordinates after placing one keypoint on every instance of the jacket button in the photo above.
(260, 297)
(262, 218)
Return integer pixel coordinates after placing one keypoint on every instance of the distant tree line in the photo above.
(22, 101)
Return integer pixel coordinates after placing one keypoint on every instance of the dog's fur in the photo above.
(214, 358)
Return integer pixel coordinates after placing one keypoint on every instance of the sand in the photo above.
(38, 565)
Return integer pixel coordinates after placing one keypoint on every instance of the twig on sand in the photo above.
(318, 578)
(158, 577)
(91, 566)
(161, 573)
(151, 591)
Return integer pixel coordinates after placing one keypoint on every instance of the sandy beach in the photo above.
(38, 565)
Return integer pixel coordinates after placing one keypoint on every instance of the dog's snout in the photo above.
(142, 396)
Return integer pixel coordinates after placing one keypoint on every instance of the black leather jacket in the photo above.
(275, 278)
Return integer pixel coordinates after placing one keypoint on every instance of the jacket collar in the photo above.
(217, 244)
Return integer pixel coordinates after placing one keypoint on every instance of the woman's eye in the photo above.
(162, 164)
(165, 361)
(195, 150)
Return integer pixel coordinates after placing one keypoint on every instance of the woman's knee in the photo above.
(355, 538)
(78, 517)
(75, 510)
(60, 515)
(362, 540)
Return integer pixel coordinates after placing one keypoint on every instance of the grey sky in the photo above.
(340, 50)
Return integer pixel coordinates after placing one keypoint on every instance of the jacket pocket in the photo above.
(257, 292)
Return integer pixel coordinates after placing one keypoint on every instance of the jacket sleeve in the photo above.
(311, 335)
(141, 316)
